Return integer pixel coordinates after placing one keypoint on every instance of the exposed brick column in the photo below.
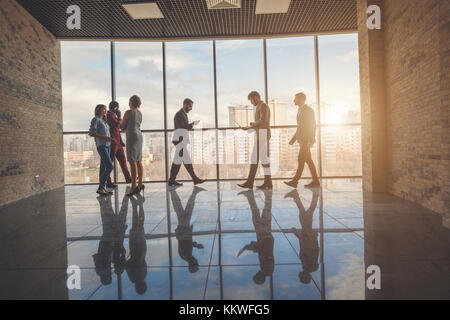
(30, 106)
(373, 101)
(444, 43)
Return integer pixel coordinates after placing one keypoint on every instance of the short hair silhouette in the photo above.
(113, 105)
(187, 101)
(301, 95)
(135, 101)
(254, 94)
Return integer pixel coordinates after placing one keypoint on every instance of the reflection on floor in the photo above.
(216, 243)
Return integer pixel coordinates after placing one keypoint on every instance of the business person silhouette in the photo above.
(261, 145)
(181, 122)
(307, 237)
(264, 239)
(136, 265)
(306, 137)
(110, 248)
(184, 229)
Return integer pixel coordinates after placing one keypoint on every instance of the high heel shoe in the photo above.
(135, 191)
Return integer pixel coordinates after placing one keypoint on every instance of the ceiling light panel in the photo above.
(272, 6)
(148, 10)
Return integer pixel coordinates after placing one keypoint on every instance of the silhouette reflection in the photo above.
(110, 248)
(264, 239)
(136, 265)
(307, 237)
(184, 230)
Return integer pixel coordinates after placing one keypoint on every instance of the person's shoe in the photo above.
(174, 184)
(111, 185)
(291, 183)
(314, 184)
(141, 188)
(128, 180)
(132, 193)
(103, 192)
(267, 185)
(246, 185)
(199, 181)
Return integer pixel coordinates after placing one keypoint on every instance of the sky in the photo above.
(86, 78)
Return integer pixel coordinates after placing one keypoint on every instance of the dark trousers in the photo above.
(176, 168)
(118, 152)
(304, 156)
(106, 165)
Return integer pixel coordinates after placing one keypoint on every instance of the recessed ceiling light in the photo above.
(272, 6)
(223, 4)
(146, 10)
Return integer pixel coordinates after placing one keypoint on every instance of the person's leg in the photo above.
(122, 159)
(140, 173)
(174, 172)
(107, 165)
(112, 154)
(312, 167)
(190, 169)
(264, 149)
(133, 175)
(301, 163)
(102, 168)
(253, 166)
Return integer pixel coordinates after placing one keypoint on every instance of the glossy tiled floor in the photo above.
(214, 243)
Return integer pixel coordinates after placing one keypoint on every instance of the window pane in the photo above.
(290, 69)
(153, 157)
(190, 74)
(202, 149)
(240, 69)
(341, 151)
(81, 160)
(235, 148)
(139, 71)
(86, 81)
(339, 79)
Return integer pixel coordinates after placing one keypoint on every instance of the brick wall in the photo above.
(411, 51)
(30, 106)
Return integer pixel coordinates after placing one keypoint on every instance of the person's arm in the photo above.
(265, 113)
(93, 130)
(125, 119)
(113, 120)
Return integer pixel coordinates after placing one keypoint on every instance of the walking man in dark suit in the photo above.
(261, 145)
(181, 121)
(306, 136)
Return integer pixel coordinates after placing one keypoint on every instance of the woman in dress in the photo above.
(100, 131)
(131, 122)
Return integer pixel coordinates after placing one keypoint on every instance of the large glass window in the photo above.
(339, 79)
(240, 69)
(86, 81)
(139, 70)
(190, 74)
(290, 69)
(81, 160)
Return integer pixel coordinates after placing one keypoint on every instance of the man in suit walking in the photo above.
(306, 137)
(260, 152)
(181, 121)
